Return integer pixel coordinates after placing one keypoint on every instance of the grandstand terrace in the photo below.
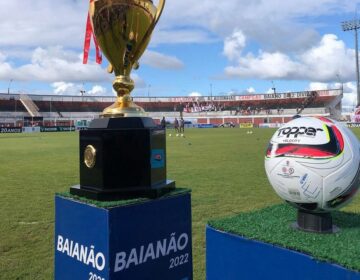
(251, 108)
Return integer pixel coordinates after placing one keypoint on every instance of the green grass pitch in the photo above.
(223, 167)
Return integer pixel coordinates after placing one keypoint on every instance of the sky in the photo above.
(198, 48)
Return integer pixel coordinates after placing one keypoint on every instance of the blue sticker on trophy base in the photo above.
(143, 241)
(157, 158)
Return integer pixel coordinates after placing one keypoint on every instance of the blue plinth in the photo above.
(232, 257)
(148, 240)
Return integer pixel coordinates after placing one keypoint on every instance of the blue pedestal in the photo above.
(232, 257)
(148, 240)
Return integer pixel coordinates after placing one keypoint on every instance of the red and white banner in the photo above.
(88, 34)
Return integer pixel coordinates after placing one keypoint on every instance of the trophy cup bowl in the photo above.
(123, 29)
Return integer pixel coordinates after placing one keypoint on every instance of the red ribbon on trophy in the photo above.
(88, 34)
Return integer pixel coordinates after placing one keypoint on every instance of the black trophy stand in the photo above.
(314, 222)
(122, 158)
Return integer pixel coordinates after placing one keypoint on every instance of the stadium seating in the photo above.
(257, 109)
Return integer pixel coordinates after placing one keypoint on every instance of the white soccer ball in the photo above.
(170, 135)
(314, 164)
(177, 135)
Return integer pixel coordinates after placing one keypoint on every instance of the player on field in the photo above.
(176, 125)
(182, 125)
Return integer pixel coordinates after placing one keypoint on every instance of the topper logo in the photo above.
(296, 131)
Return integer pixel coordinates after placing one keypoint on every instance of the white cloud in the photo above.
(326, 60)
(42, 23)
(97, 90)
(234, 45)
(158, 60)
(275, 24)
(63, 88)
(264, 66)
(54, 64)
(349, 100)
(250, 90)
(139, 82)
(2, 57)
(195, 94)
(47, 23)
(318, 86)
(323, 63)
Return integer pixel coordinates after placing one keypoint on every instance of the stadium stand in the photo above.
(251, 108)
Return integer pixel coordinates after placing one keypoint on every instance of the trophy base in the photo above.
(120, 194)
(123, 107)
(122, 158)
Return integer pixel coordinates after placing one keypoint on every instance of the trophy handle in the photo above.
(160, 9)
(110, 68)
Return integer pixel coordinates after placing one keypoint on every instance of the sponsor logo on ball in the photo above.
(298, 131)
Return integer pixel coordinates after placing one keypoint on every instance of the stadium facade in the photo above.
(257, 109)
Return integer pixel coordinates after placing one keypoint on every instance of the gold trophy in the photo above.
(123, 29)
(123, 153)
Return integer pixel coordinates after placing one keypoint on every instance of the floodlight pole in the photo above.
(348, 26)
(273, 87)
(9, 85)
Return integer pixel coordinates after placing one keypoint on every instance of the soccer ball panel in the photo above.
(295, 183)
(339, 180)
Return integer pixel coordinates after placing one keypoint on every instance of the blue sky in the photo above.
(231, 47)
